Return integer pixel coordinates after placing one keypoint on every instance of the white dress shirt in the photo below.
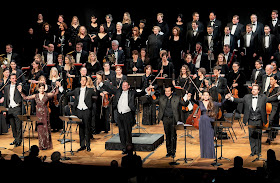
(227, 40)
(233, 29)
(267, 82)
(255, 24)
(248, 39)
(12, 93)
(82, 104)
(198, 59)
(266, 41)
(254, 102)
(78, 57)
(50, 58)
(9, 56)
(274, 22)
(123, 103)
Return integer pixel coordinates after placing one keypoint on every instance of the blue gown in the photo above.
(206, 133)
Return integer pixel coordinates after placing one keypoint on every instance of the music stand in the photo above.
(215, 124)
(135, 81)
(185, 127)
(71, 120)
(3, 109)
(223, 124)
(27, 119)
(258, 128)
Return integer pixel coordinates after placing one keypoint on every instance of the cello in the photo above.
(268, 107)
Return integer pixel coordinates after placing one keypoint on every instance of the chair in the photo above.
(230, 117)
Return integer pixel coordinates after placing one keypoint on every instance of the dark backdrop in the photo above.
(15, 23)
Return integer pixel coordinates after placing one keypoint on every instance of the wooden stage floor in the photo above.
(156, 159)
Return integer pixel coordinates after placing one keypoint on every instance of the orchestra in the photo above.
(89, 70)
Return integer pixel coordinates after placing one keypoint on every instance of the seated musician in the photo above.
(219, 82)
(80, 55)
(273, 89)
(258, 72)
(189, 62)
(18, 72)
(199, 79)
(119, 78)
(223, 64)
(36, 72)
(165, 67)
(135, 65)
(71, 71)
(109, 74)
(60, 63)
(119, 54)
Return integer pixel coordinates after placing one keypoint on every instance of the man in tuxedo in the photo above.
(210, 44)
(50, 56)
(10, 55)
(119, 54)
(266, 78)
(228, 39)
(200, 59)
(13, 101)
(267, 45)
(254, 114)
(228, 55)
(124, 102)
(274, 24)
(83, 107)
(257, 74)
(236, 28)
(193, 36)
(219, 82)
(249, 48)
(169, 113)
(195, 17)
(257, 27)
(216, 24)
(80, 55)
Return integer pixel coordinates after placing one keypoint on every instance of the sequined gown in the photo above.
(43, 124)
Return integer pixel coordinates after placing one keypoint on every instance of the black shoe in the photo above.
(168, 155)
(88, 149)
(82, 148)
(13, 143)
(18, 144)
(268, 141)
(124, 152)
(173, 155)
(251, 155)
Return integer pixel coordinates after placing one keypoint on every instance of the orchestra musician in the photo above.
(71, 72)
(135, 65)
(165, 67)
(273, 89)
(92, 65)
(149, 108)
(104, 92)
(258, 72)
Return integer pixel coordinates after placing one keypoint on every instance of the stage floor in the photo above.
(99, 156)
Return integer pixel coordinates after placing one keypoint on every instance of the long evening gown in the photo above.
(44, 127)
(206, 133)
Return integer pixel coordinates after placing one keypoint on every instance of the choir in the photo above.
(73, 69)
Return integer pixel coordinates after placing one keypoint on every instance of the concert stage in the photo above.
(101, 156)
(141, 142)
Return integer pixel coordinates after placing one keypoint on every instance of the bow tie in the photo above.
(274, 20)
(254, 97)
(258, 70)
(210, 35)
(227, 35)
(267, 35)
(253, 24)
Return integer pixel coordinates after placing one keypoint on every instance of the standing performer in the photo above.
(83, 108)
(206, 131)
(169, 113)
(254, 114)
(42, 112)
(13, 101)
(125, 103)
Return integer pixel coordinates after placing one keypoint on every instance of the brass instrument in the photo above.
(110, 58)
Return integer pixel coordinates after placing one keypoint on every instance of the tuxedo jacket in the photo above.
(55, 55)
(232, 45)
(206, 45)
(121, 56)
(191, 40)
(16, 58)
(275, 29)
(217, 25)
(204, 61)
(259, 30)
(253, 48)
(239, 29)
(131, 99)
(88, 97)
(273, 44)
(259, 77)
(176, 102)
(17, 96)
(200, 26)
(84, 56)
(247, 101)
(264, 77)
(222, 85)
